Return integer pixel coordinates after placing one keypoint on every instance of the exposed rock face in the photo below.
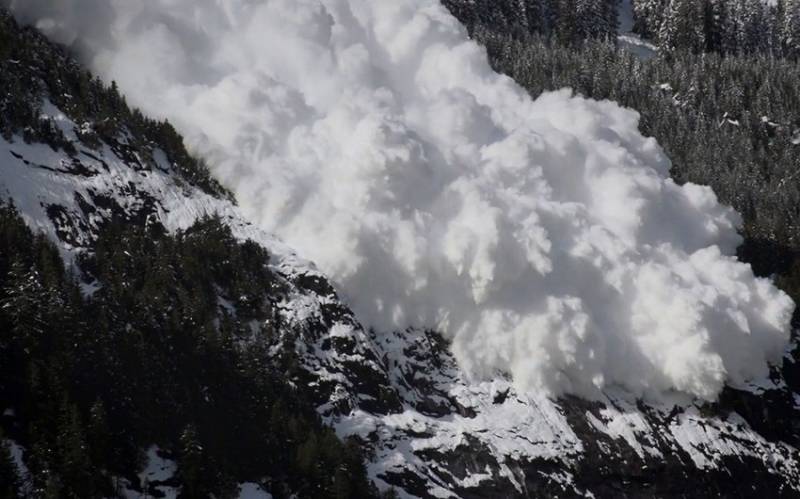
(429, 430)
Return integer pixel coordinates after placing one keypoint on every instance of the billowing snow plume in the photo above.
(543, 237)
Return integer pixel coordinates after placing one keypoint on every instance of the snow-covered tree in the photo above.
(9, 476)
(682, 26)
(747, 26)
(790, 31)
(715, 19)
(597, 18)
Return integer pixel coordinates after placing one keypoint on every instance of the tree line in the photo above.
(567, 20)
(732, 27)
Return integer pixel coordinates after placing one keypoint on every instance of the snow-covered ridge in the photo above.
(67, 197)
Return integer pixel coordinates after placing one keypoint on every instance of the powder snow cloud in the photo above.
(543, 237)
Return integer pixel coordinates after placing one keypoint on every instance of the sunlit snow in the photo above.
(543, 237)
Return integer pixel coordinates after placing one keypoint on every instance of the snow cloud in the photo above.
(543, 237)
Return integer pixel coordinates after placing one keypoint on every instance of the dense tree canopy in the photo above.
(150, 358)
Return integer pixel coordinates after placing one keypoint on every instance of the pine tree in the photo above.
(9, 475)
(534, 15)
(648, 16)
(597, 19)
(568, 30)
(589, 18)
(610, 19)
(24, 303)
(747, 25)
(756, 31)
(98, 433)
(790, 36)
(551, 17)
(715, 20)
(682, 27)
(74, 463)
(190, 463)
(776, 17)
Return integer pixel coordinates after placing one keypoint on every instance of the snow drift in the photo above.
(543, 237)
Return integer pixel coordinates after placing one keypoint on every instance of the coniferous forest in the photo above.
(165, 370)
(729, 27)
(721, 96)
(727, 117)
(147, 355)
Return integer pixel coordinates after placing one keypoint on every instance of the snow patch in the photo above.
(708, 440)
(253, 491)
(23, 473)
(636, 45)
(623, 420)
(157, 470)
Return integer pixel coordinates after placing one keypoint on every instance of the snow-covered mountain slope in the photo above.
(429, 429)
(543, 237)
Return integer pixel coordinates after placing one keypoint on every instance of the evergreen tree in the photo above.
(790, 36)
(775, 28)
(74, 461)
(716, 20)
(682, 27)
(98, 433)
(589, 18)
(24, 303)
(748, 26)
(568, 30)
(535, 15)
(610, 18)
(191, 463)
(9, 475)
(597, 19)
(648, 17)
(756, 31)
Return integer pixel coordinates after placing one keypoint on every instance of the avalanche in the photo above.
(543, 237)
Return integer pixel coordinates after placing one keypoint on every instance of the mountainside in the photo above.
(102, 183)
(148, 366)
